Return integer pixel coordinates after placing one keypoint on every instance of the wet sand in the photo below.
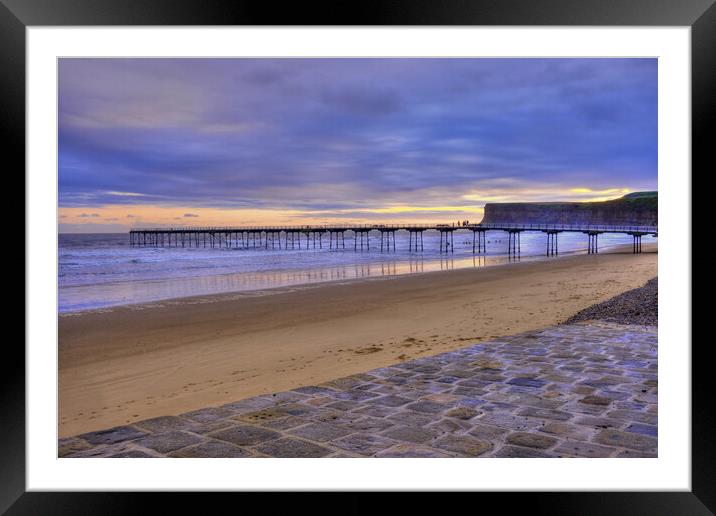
(130, 363)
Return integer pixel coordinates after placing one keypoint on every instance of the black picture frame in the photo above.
(700, 15)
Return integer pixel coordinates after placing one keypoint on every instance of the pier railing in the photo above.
(603, 228)
(571, 227)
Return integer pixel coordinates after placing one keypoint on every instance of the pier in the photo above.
(312, 236)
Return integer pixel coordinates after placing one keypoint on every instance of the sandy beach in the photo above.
(130, 363)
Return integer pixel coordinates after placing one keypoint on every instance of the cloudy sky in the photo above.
(146, 142)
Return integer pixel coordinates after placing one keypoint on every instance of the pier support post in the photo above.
(552, 243)
(636, 248)
(478, 241)
(385, 236)
(514, 246)
(593, 243)
(449, 241)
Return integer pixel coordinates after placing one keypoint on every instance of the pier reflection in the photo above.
(249, 283)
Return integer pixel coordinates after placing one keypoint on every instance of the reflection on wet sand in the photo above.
(119, 293)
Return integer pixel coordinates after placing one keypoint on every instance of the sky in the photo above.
(199, 142)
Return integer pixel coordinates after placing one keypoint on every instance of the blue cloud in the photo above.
(349, 133)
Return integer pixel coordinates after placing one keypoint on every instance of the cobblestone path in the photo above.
(577, 390)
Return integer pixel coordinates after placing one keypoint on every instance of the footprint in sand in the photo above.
(367, 350)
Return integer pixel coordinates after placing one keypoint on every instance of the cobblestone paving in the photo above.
(577, 390)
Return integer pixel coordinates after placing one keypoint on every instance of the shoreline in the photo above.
(222, 296)
(133, 362)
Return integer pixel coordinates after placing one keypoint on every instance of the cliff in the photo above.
(637, 209)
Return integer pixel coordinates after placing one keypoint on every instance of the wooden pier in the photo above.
(312, 237)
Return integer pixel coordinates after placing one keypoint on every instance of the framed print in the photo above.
(404, 249)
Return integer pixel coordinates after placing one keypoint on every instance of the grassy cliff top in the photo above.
(635, 195)
(635, 200)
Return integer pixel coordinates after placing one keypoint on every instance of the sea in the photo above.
(102, 270)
